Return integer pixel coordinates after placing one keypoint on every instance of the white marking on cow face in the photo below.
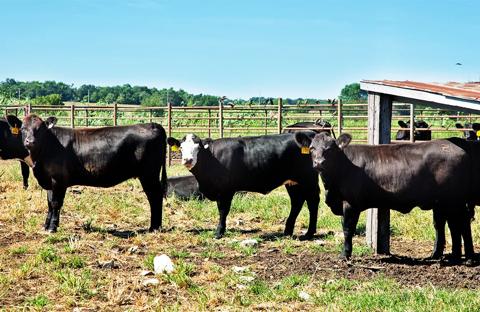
(189, 151)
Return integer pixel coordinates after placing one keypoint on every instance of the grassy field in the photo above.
(94, 262)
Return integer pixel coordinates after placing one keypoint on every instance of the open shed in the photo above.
(381, 95)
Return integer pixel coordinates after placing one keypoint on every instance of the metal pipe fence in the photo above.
(226, 120)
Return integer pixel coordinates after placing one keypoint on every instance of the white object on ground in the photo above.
(163, 264)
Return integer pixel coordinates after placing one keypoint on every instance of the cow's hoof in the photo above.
(219, 235)
(25, 187)
(155, 229)
(345, 255)
(288, 234)
(306, 237)
(453, 260)
(435, 256)
(470, 262)
(53, 230)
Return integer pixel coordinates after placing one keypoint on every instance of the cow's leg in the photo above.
(50, 210)
(439, 222)
(454, 223)
(349, 223)
(223, 210)
(153, 189)
(55, 202)
(297, 198)
(25, 173)
(466, 231)
(313, 199)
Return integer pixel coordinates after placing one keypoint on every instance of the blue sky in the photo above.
(287, 48)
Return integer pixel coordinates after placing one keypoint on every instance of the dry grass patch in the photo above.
(96, 259)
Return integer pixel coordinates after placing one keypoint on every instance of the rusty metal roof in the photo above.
(469, 90)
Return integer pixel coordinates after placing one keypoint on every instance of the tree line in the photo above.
(55, 93)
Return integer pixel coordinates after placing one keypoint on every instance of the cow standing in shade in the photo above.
(255, 164)
(470, 135)
(104, 157)
(11, 146)
(431, 175)
(418, 135)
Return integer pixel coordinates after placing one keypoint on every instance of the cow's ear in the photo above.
(302, 139)
(13, 121)
(459, 125)
(51, 122)
(173, 142)
(476, 126)
(344, 140)
(402, 124)
(206, 142)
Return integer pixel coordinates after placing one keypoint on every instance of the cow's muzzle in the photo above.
(28, 143)
(187, 163)
(318, 164)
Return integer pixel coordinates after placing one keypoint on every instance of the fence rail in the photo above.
(228, 120)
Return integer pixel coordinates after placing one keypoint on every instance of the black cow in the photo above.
(432, 175)
(470, 135)
(11, 146)
(422, 135)
(318, 126)
(255, 164)
(184, 187)
(103, 157)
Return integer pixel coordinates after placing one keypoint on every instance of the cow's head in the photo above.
(470, 135)
(417, 135)
(403, 134)
(34, 130)
(11, 139)
(323, 148)
(190, 146)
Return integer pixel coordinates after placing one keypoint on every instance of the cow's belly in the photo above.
(103, 180)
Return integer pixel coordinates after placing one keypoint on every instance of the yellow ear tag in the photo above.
(15, 130)
(478, 133)
(305, 150)
(175, 148)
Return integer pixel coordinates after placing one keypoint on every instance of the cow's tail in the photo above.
(163, 179)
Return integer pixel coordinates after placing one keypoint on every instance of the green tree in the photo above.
(51, 99)
(352, 93)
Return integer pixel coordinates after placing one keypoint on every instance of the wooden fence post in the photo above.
(209, 124)
(86, 117)
(169, 131)
(412, 124)
(220, 117)
(339, 116)
(115, 108)
(72, 116)
(279, 115)
(266, 121)
(379, 128)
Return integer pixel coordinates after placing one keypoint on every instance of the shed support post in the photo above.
(379, 127)
(169, 132)
(279, 115)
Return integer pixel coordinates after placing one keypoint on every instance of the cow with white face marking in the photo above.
(254, 164)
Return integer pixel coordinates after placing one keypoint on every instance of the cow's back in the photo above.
(259, 164)
(107, 156)
(411, 174)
